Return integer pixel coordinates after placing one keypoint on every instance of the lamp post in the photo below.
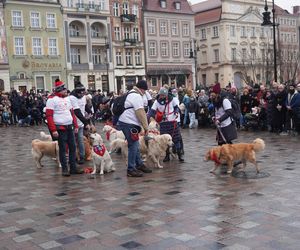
(107, 62)
(267, 22)
(193, 54)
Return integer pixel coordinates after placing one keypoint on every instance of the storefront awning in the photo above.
(155, 72)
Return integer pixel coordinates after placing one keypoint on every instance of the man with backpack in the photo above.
(223, 118)
(132, 117)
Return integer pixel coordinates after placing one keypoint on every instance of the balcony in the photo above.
(130, 42)
(98, 40)
(80, 66)
(101, 66)
(78, 39)
(128, 18)
(89, 7)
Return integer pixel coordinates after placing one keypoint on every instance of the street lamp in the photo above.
(193, 54)
(267, 22)
(107, 62)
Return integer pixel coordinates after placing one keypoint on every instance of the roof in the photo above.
(206, 5)
(209, 16)
(154, 5)
(283, 12)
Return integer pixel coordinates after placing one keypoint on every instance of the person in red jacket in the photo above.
(62, 124)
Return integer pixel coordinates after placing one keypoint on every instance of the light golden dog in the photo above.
(112, 134)
(41, 148)
(120, 144)
(45, 137)
(228, 153)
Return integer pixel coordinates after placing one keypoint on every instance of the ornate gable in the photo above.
(252, 15)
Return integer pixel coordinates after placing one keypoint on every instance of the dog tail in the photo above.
(258, 145)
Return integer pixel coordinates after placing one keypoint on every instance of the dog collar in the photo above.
(108, 134)
(214, 158)
(99, 149)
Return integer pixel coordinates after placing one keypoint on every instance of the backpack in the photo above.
(118, 106)
(236, 110)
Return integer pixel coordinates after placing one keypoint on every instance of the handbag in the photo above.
(159, 116)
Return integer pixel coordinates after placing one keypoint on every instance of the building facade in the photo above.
(4, 67)
(87, 41)
(233, 46)
(169, 37)
(127, 42)
(288, 44)
(36, 51)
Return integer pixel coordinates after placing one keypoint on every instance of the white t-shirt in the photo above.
(61, 110)
(146, 97)
(221, 111)
(167, 109)
(135, 101)
(78, 103)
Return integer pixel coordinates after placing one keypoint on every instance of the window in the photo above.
(252, 31)
(174, 29)
(51, 20)
(17, 20)
(233, 54)
(216, 77)
(116, 9)
(216, 55)
(117, 33)
(135, 10)
(75, 55)
(151, 27)
(125, 8)
(70, 3)
(74, 30)
(244, 54)
(163, 4)
(204, 79)
(253, 54)
(262, 32)
(128, 58)
(185, 29)
(232, 30)
(37, 46)
(126, 32)
(52, 47)
(164, 49)
(175, 49)
(186, 50)
(215, 31)
(204, 57)
(19, 46)
(152, 49)
(119, 58)
(243, 31)
(203, 34)
(91, 4)
(263, 54)
(95, 30)
(40, 82)
(163, 27)
(136, 34)
(102, 4)
(138, 60)
(177, 6)
(153, 81)
(35, 20)
(96, 55)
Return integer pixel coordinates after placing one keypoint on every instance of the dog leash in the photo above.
(222, 135)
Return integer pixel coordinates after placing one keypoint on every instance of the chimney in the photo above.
(296, 9)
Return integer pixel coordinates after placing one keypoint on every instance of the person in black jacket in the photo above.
(24, 117)
(192, 108)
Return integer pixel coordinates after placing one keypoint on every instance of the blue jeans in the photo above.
(186, 115)
(26, 120)
(134, 155)
(81, 143)
(192, 117)
(67, 137)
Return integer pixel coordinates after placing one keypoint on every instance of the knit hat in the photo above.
(79, 87)
(216, 88)
(59, 86)
(142, 84)
(163, 91)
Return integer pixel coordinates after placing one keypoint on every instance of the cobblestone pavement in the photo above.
(182, 206)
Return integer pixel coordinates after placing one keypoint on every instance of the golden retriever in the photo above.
(112, 134)
(45, 137)
(87, 149)
(100, 155)
(228, 153)
(156, 148)
(120, 144)
(41, 148)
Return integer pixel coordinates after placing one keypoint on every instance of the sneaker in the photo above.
(65, 174)
(144, 169)
(77, 171)
(81, 161)
(134, 173)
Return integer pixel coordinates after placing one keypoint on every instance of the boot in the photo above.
(167, 158)
(180, 156)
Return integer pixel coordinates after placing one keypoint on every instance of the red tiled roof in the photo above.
(154, 5)
(208, 16)
(206, 5)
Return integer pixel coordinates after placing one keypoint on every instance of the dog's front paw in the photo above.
(160, 166)
(102, 173)
(229, 171)
(113, 169)
(212, 171)
(94, 172)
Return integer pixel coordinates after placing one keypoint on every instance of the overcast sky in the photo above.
(285, 4)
